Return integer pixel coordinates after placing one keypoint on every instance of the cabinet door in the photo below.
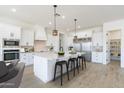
(94, 57)
(27, 58)
(31, 59)
(23, 57)
(97, 57)
(40, 34)
(27, 38)
(97, 39)
(1, 57)
(100, 55)
(84, 34)
(15, 33)
(10, 31)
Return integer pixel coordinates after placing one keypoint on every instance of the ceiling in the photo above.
(87, 16)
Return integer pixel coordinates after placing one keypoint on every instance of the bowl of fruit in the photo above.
(61, 53)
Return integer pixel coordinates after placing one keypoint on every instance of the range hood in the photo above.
(40, 33)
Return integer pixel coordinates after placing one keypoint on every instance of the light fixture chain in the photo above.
(75, 26)
(54, 17)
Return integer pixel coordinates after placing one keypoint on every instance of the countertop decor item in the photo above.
(61, 53)
(72, 52)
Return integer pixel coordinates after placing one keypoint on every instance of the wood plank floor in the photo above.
(95, 76)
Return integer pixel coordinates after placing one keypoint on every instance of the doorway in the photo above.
(115, 47)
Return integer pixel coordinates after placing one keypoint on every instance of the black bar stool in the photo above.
(73, 61)
(83, 60)
(61, 63)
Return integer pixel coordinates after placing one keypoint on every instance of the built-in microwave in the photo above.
(11, 42)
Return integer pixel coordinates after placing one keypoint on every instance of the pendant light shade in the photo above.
(55, 32)
(75, 37)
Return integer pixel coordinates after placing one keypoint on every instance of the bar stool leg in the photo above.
(77, 65)
(85, 62)
(71, 66)
(61, 74)
(67, 70)
(68, 66)
(79, 62)
(74, 67)
(82, 64)
(55, 72)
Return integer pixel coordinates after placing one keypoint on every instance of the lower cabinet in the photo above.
(97, 57)
(27, 58)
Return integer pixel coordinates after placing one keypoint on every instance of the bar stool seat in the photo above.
(61, 63)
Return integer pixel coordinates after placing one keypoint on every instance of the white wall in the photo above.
(110, 26)
(68, 41)
(54, 40)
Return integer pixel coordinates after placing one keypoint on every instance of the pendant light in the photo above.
(75, 37)
(55, 32)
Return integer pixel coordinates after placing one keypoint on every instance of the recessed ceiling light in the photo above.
(50, 23)
(13, 10)
(79, 26)
(63, 17)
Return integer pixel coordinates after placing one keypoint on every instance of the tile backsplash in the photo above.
(39, 45)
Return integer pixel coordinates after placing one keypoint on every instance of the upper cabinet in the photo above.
(27, 37)
(40, 33)
(84, 34)
(10, 31)
(97, 38)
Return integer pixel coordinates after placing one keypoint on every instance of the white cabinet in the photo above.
(15, 33)
(27, 58)
(97, 57)
(27, 37)
(10, 31)
(84, 34)
(40, 34)
(97, 38)
(1, 54)
(1, 57)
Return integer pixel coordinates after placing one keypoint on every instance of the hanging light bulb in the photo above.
(55, 31)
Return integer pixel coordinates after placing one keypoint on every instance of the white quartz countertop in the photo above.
(54, 56)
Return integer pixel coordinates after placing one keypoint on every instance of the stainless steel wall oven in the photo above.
(11, 54)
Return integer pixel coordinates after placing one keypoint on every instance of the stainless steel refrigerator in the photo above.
(86, 47)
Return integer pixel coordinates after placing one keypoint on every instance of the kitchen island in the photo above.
(44, 64)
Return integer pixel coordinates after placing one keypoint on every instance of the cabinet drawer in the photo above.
(97, 57)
